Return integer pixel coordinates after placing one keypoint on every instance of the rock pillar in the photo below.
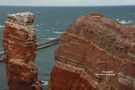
(19, 43)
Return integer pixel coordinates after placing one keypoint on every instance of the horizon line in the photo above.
(66, 5)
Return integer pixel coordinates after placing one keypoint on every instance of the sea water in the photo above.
(50, 23)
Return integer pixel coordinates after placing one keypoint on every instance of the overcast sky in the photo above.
(67, 2)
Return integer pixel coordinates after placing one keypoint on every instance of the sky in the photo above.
(66, 2)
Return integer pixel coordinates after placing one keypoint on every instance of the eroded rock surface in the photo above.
(19, 43)
(96, 53)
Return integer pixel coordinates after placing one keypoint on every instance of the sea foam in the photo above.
(57, 32)
(125, 21)
(1, 26)
(50, 38)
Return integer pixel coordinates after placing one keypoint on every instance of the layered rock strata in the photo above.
(19, 43)
(96, 53)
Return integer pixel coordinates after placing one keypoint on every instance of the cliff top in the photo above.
(25, 18)
(106, 33)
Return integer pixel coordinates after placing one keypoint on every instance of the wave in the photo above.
(1, 26)
(37, 25)
(50, 38)
(37, 30)
(125, 21)
(1, 52)
(44, 83)
(57, 32)
(47, 30)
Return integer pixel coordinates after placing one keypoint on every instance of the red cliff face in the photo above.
(19, 42)
(96, 53)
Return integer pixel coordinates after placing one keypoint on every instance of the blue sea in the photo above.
(50, 23)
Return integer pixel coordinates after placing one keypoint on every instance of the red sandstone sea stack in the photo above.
(19, 42)
(96, 53)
